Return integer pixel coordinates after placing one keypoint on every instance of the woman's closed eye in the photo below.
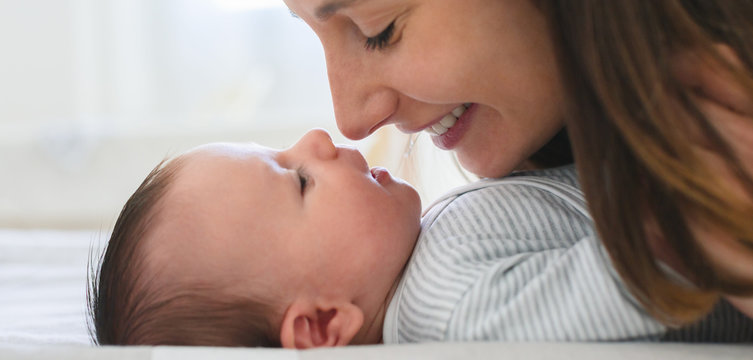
(381, 40)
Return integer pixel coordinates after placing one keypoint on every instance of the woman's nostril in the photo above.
(354, 132)
(376, 127)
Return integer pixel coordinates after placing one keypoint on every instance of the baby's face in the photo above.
(313, 217)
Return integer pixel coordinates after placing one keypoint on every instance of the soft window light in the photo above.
(241, 5)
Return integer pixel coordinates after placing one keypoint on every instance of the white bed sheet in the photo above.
(439, 351)
(43, 316)
(43, 286)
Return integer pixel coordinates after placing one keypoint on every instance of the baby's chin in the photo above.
(413, 199)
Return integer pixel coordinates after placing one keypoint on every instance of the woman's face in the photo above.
(479, 75)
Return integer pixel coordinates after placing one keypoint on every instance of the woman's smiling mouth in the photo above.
(447, 132)
(448, 121)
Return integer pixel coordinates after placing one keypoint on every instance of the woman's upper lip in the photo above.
(422, 128)
(377, 126)
(414, 130)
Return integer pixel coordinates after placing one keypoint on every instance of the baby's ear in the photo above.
(307, 325)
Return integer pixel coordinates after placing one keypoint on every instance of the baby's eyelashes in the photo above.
(303, 178)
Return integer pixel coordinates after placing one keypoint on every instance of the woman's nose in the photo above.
(317, 143)
(362, 99)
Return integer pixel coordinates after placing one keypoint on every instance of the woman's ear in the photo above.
(307, 325)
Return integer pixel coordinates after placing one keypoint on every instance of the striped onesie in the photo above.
(517, 259)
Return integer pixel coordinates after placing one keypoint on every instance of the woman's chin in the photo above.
(484, 166)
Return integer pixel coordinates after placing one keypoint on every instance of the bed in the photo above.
(43, 316)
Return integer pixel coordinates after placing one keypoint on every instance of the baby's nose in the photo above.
(319, 142)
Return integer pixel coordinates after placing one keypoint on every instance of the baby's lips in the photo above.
(380, 174)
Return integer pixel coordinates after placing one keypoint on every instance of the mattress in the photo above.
(43, 286)
(43, 316)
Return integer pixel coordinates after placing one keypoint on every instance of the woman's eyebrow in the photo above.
(325, 11)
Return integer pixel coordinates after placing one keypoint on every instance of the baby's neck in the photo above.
(372, 329)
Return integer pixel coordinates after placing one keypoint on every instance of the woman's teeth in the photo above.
(447, 121)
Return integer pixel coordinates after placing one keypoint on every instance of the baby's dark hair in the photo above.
(129, 305)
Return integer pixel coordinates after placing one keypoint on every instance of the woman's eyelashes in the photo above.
(381, 40)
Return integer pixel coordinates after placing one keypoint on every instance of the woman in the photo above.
(494, 81)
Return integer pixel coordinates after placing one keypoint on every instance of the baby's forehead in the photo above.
(220, 174)
(223, 162)
(230, 150)
(217, 176)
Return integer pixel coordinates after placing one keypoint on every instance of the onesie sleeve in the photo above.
(513, 262)
(559, 294)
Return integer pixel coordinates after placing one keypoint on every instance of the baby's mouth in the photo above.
(379, 174)
(447, 121)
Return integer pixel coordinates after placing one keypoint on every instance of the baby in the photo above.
(243, 245)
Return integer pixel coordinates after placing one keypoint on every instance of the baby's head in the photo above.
(243, 245)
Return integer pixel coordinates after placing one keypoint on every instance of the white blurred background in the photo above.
(94, 93)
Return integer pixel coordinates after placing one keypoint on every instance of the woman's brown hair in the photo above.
(635, 129)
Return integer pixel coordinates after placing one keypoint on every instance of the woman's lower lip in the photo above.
(452, 137)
